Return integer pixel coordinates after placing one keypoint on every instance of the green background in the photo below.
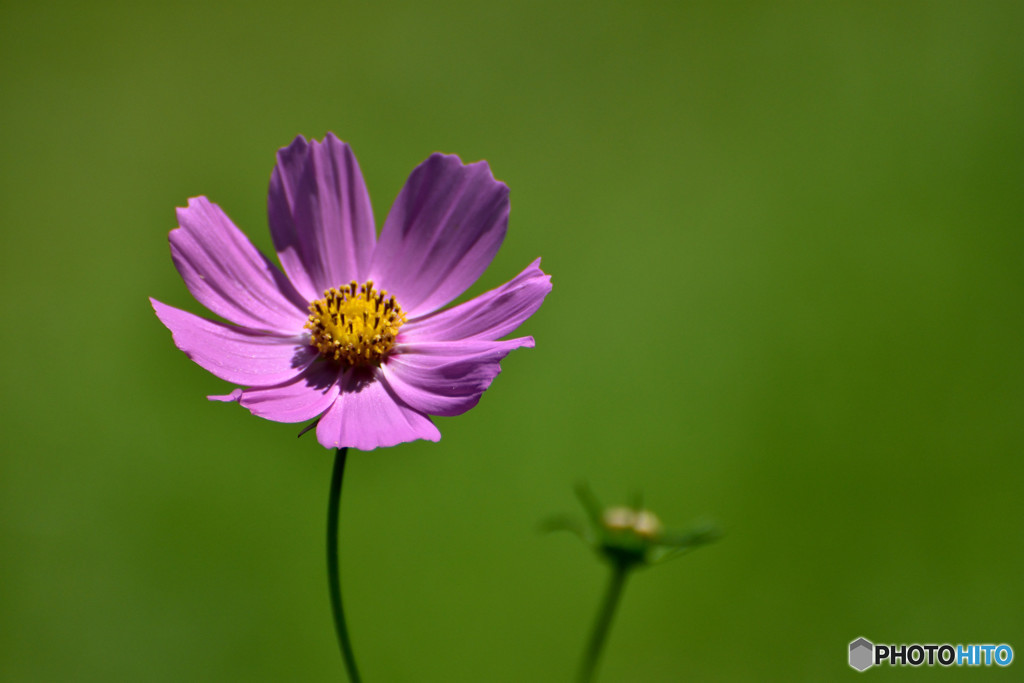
(788, 261)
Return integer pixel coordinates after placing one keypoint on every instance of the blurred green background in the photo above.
(787, 248)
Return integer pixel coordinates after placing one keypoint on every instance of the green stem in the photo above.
(604, 621)
(333, 574)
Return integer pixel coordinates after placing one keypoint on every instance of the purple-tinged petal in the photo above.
(441, 234)
(320, 215)
(226, 398)
(460, 348)
(229, 276)
(236, 354)
(366, 415)
(303, 398)
(489, 316)
(446, 379)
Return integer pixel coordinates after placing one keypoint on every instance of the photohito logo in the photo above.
(865, 654)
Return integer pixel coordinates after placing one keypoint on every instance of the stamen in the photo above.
(340, 324)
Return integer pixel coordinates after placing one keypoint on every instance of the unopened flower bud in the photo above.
(643, 523)
(647, 524)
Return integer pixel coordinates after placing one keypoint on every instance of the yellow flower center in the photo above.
(355, 324)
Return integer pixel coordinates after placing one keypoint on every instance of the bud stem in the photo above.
(333, 574)
(604, 620)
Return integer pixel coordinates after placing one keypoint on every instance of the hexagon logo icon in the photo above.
(862, 654)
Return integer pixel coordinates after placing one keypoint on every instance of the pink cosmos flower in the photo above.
(352, 330)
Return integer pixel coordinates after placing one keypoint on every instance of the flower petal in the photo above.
(441, 234)
(366, 415)
(302, 398)
(236, 354)
(462, 347)
(233, 397)
(320, 215)
(228, 275)
(447, 378)
(489, 316)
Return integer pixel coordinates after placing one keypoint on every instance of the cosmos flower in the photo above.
(353, 330)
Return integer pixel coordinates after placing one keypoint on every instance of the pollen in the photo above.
(355, 324)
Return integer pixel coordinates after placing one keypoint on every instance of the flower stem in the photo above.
(604, 621)
(333, 574)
